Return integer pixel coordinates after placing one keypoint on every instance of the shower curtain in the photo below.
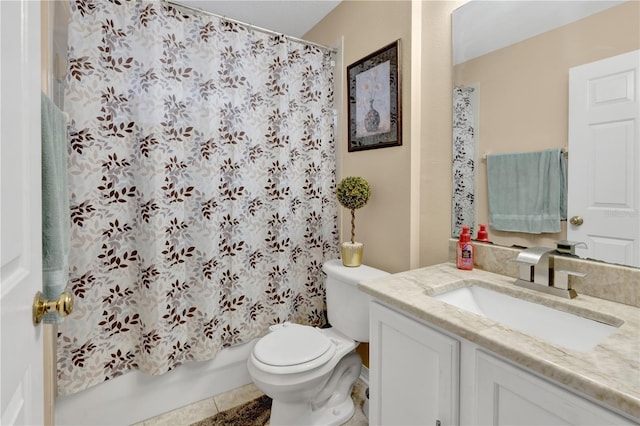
(202, 178)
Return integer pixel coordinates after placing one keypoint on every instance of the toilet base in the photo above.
(295, 414)
(332, 406)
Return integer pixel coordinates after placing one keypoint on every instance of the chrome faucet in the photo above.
(537, 272)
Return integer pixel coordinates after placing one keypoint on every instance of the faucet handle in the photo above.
(569, 247)
(561, 278)
(532, 255)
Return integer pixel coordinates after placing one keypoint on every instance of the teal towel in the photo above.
(527, 191)
(55, 204)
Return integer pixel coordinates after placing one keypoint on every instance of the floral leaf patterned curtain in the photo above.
(202, 178)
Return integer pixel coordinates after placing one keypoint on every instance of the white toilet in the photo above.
(309, 372)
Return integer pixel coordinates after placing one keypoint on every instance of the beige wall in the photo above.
(411, 185)
(407, 223)
(523, 92)
(383, 225)
(436, 134)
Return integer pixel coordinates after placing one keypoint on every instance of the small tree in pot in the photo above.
(353, 193)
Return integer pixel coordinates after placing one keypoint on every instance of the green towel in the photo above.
(55, 204)
(527, 191)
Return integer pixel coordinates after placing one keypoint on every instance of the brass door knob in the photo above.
(41, 306)
(576, 220)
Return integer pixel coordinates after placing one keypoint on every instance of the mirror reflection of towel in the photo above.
(527, 191)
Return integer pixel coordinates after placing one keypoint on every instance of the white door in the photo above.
(20, 214)
(604, 159)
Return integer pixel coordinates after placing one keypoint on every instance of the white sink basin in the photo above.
(557, 327)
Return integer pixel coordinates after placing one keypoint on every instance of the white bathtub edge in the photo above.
(136, 396)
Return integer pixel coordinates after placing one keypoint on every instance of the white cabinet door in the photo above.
(507, 395)
(413, 372)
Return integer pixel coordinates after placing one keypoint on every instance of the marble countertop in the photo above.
(609, 373)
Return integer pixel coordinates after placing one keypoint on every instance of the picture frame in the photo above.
(374, 108)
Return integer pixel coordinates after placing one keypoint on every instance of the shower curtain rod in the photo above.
(255, 27)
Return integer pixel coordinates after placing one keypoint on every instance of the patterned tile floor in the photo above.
(209, 407)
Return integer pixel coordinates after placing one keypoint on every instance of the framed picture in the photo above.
(374, 112)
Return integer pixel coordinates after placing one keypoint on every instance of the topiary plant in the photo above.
(353, 192)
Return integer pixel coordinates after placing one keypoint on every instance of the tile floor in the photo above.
(209, 407)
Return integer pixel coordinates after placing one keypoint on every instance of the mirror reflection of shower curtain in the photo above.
(202, 177)
(465, 158)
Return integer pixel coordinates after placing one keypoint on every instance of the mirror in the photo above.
(511, 62)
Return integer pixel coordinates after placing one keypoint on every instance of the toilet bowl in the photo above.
(309, 372)
(295, 364)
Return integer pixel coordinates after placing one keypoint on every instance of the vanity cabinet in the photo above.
(413, 371)
(507, 395)
(420, 375)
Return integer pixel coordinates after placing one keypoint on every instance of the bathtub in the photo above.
(136, 396)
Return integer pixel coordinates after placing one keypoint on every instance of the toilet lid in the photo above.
(291, 344)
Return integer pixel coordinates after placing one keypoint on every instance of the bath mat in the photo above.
(252, 413)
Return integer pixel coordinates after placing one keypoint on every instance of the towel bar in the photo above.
(565, 151)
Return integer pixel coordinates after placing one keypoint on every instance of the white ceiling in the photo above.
(482, 26)
(290, 17)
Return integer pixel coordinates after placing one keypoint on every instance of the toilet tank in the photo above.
(347, 306)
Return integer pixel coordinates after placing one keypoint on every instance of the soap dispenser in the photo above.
(464, 251)
(483, 235)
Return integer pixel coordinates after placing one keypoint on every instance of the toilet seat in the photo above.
(292, 348)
